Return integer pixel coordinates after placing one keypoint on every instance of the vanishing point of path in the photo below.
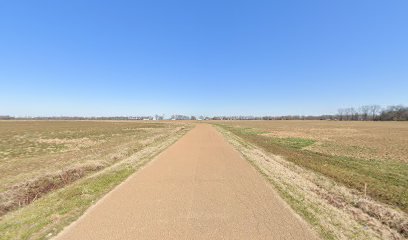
(199, 188)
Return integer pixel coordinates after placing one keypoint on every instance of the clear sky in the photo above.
(94, 58)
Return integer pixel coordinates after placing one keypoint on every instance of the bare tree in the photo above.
(353, 114)
(348, 112)
(364, 111)
(374, 110)
(341, 114)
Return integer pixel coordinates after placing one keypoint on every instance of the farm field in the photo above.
(364, 140)
(348, 180)
(51, 171)
(368, 159)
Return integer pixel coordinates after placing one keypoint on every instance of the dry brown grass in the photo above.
(364, 140)
(80, 187)
(38, 157)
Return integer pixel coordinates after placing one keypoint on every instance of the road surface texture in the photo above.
(199, 188)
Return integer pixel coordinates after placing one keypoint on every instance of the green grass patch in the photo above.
(387, 181)
(251, 131)
(297, 143)
(291, 142)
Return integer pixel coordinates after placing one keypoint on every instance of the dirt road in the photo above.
(199, 188)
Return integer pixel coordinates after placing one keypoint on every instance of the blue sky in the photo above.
(94, 58)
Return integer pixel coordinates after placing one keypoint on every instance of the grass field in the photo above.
(348, 179)
(363, 140)
(53, 170)
(369, 158)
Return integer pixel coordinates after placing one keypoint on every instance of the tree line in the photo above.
(362, 113)
(374, 113)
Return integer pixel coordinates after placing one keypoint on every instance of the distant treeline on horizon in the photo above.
(363, 113)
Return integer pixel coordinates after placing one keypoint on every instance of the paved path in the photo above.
(199, 188)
